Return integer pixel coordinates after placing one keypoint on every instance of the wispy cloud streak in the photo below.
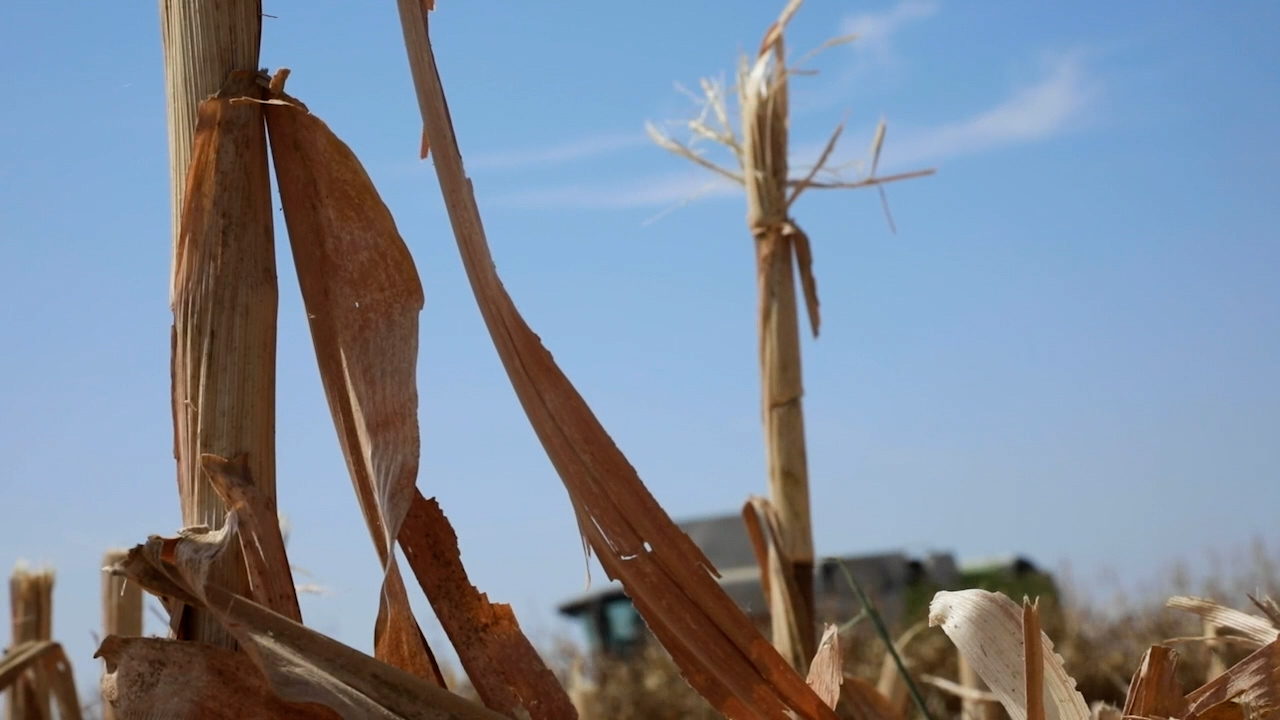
(581, 149)
(655, 191)
(1046, 109)
(875, 31)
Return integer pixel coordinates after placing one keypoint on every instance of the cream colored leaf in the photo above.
(1253, 627)
(986, 628)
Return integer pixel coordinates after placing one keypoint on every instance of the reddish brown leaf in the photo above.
(503, 666)
(668, 578)
(362, 296)
(1225, 710)
(1253, 682)
(1154, 690)
(1033, 659)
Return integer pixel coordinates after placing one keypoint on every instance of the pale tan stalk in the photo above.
(121, 610)
(31, 613)
(782, 251)
(224, 336)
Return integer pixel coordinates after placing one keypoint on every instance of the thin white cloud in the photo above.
(875, 31)
(666, 190)
(868, 56)
(1054, 105)
(581, 149)
(1050, 107)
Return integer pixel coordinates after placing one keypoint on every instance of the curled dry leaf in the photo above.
(1260, 630)
(669, 579)
(1154, 690)
(987, 629)
(261, 541)
(505, 669)
(1252, 683)
(362, 296)
(224, 316)
(300, 664)
(826, 672)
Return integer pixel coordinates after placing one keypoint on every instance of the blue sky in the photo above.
(1069, 349)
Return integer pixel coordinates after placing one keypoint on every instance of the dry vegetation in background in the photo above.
(237, 645)
(1101, 642)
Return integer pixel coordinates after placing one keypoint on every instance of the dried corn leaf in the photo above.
(1253, 683)
(1260, 630)
(155, 677)
(1154, 690)
(987, 629)
(506, 671)
(826, 671)
(1225, 710)
(224, 317)
(300, 664)
(362, 296)
(778, 580)
(667, 577)
(1269, 608)
(261, 541)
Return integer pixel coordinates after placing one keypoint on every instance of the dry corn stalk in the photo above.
(31, 611)
(363, 296)
(782, 250)
(44, 664)
(223, 286)
(121, 611)
(35, 670)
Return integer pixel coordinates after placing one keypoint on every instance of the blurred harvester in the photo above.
(899, 585)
